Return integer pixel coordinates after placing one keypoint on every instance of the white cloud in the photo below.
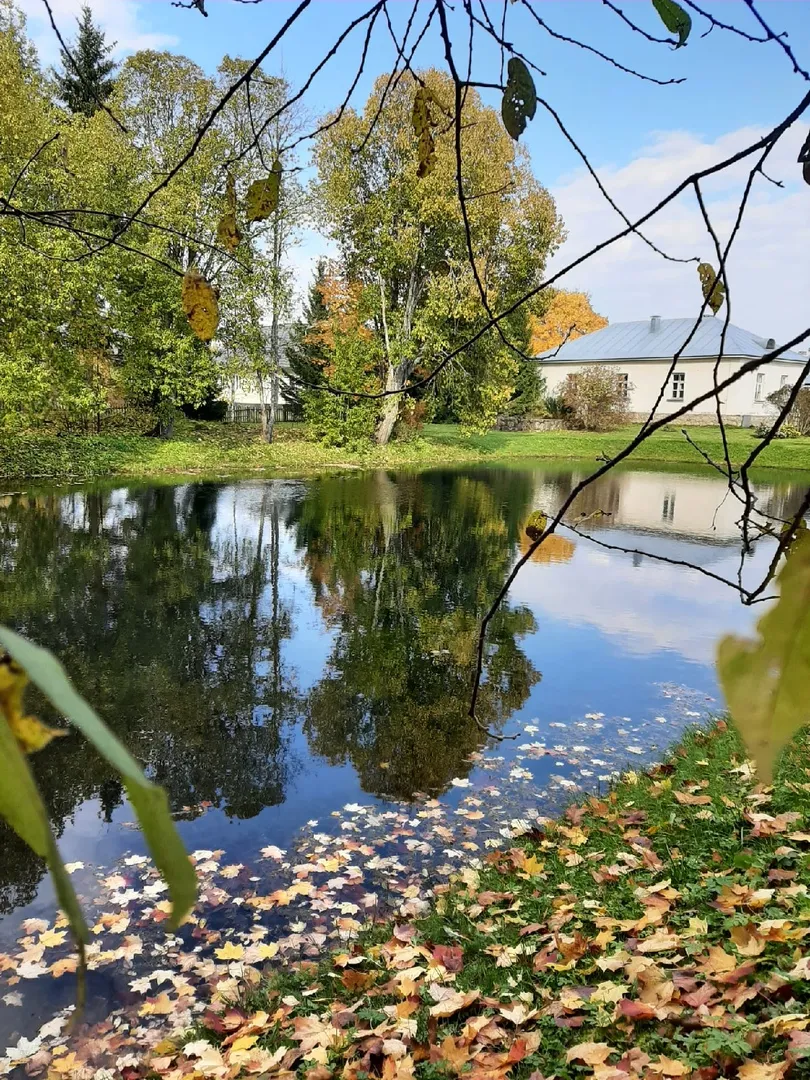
(768, 270)
(121, 20)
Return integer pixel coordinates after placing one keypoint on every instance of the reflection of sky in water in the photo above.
(611, 628)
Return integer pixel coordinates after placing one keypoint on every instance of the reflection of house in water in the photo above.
(676, 505)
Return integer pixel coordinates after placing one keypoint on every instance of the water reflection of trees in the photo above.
(403, 571)
(166, 606)
(176, 637)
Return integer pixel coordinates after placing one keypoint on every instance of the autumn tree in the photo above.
(568, 316)
(403, 236)
(350, 360)
(86, 79)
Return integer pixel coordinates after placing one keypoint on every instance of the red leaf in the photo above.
(517, 1051)
(532, 928)
(701, 996)
(449, 956)
(636, 1010)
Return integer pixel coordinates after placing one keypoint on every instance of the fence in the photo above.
(132, 419)
(252, 414)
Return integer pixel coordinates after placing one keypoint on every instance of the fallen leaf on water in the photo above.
(230, 951)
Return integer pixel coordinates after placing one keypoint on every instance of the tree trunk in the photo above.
(274, 354)
(397, 373)
(260, 382)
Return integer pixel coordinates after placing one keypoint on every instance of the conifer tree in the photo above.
(86, 83)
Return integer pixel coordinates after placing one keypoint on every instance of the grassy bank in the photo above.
(216, 449)
(658, 932)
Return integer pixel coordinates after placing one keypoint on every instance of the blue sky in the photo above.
(641, 137)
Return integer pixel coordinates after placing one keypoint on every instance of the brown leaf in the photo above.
(666, 1066)
(453, 1053)
(747, 941)
(452, 1001)
(356, 980)
(692, 800)
(590, 1053)
(760, 1070)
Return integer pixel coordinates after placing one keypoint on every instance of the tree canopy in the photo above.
(403, 236)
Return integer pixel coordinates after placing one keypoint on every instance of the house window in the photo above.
(678, 386)
(783, 381)
(624, 386)
(668, 509)
(758, 392)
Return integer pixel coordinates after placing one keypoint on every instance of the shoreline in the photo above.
(201, 449)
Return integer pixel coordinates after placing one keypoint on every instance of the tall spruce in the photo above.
(306, 358)
(85, 84)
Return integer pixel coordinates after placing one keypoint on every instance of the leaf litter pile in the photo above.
(655, 932)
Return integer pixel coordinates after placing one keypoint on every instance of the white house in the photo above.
(239, 391)
(642, 353)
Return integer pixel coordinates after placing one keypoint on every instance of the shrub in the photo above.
(798, 417)
(337, 419)
(786, 431)
(212, 408)
(555, 408)
(413, 416)
(596, 398)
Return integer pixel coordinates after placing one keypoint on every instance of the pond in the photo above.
(291, 659)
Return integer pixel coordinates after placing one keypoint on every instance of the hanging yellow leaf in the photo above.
(200, 304)
(31, 734)
(228, 233)
(519, 102)
(422, 123)
(262, 196)
(713, 289)
(765, 682)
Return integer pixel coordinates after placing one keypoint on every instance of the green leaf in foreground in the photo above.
(766, 682)
(674, 18)
(22, 807)
(519, 102)
(148, 800)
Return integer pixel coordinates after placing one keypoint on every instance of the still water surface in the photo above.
(272, 650)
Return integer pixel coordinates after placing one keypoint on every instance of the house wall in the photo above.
(646, 377)
(246, 392)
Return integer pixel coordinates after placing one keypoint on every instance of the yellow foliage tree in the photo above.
(569, 316)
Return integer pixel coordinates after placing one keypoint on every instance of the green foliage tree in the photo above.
(306, 355)
(339, 419)
(86, 79)
(403, 237)
(529, 391)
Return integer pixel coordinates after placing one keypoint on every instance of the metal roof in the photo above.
(639, 341)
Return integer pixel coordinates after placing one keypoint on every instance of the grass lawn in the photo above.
(216, 449)
(660, 931)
